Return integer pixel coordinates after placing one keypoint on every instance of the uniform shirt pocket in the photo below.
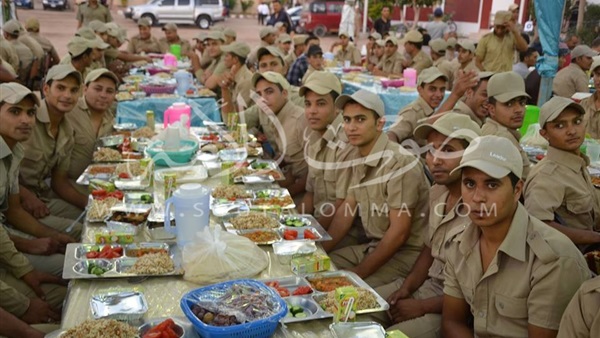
(511, 307)
(580, 205)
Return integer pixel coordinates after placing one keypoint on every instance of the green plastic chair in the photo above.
(532, 115)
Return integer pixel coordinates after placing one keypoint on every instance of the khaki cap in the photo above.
(269, 50)
(380, 42)
(595, 64)
(494, 155)
(300, 39)
(32, 23)
(123, 35)
(144, 22)
(169, 27)
(12, 27)
(266, 31)
(485, 75)
(272, 77)
(375, 36)
(13, 93)
(556, 105)
(340, 34)
(583, 50)
(321, 82)
(98, 26)
(452, 42)
(467, 44)
(241, 49)
(114, 31)
(60, 72)
(453, 125)
(77, 45)
(506, 86)
(428, 75)
(512, 7)
(502, 17)
(214, 35)
(200, 37)
(86, 32)
(413, 36)
(438, 45)
(284, 38)
(230, 33)
(365, 98)
(279, 24)
(99, 72)
(391, 39)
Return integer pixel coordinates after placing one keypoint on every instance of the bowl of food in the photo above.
(164, 157)
(287, 250)
(112, 141)
(159, 329)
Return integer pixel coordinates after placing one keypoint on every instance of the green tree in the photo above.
(417, 5)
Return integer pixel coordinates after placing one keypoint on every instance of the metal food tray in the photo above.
(271, 193)
(357, 329)
(127, 305)
(314, 226)
(85, 177)
(76, 268)
(276, 233)
(230, 228)
(270, 165)
(132, 184)
(95, 220)
(310, 302)
(135, 198)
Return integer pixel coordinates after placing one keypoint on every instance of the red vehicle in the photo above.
(321, 17)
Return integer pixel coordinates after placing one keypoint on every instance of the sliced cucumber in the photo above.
(301, 315)
(295, 310)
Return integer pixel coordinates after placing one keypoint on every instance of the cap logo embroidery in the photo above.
(497, 156)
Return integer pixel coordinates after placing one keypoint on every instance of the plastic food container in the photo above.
(183, 155)
(287, 250)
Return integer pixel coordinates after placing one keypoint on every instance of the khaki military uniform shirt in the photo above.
(491, 127)
(592, 116)
(409, 118)
(166, 46)
(351, 53)
(391, 64)
(241, 87)
(33, 45)
(46, 45)
(309, 71)
(457, 66)
(289, 59)
(110, 55)
(531, 279)
(24, 54)
(252, 57)
(496, 53)
(85, 136)
(8, 67)
(9, 177)
(85, 14)
(290, 121)
(9, 54)
(390, 178)
(441, 231)
(570, 80)
(421, 61)
(44, 153)
(462, 108)
(561, 184)
(251, 115)
(18, 265)
(329, 165)
(446, 67)
(582, 316)
(137, 45)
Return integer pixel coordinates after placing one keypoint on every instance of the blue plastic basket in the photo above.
(262, 328)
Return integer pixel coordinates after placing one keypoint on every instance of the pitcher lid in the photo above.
(190, 189)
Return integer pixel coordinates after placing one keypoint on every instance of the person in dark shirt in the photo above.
(300, 66)
(533, 79)
(280, 15)
(383, 24)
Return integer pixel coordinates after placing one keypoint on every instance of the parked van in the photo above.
(202, 13)
(321, 17)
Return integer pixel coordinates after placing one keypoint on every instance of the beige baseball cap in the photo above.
(513, 7)
(279, 24)
(506, 86)
(453, 125)
(32, 23)
(214, 35)
(13, 93)
(365, 98)
(438, 45)
(88, 34)
(451, 42)
(269, 50)
(12, 27)
(494, 155)
(391, 39)
(375, 36)
(266, 31)
(299, 39)
(144, 22)
(466, 44)
(99, 72)
(428, 75)
(485, 75)
(321, 82)
(230, 33)
(98, 26)
(595, 64)
(169, 27)
(60, 72)
(238, 48)
(502, 17)
(380, 42)
(413, 36)
(272, 77)
(113, 31)
(583, 50)
(77, 45)
(284, 38)
(553, 107)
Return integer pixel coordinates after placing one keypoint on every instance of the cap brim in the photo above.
(344, 99)
(422, 131)
(485, 166)
(505, 97)
(316, 88)
(560, 109)
(20, 98)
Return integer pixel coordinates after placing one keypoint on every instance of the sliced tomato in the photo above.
(124, 175)
(283, 292)
(309, 234)
(98, 193)
(116, 194)
(106, 248)
(118, 250)
(92, 254)
(302, 290)
(152, 335)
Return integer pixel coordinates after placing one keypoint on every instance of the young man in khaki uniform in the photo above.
(48, 151)
(431, 85)
(32, 25)
(91, 119)
(100, 29)
(347, 51)
(144, 41)
(9, 54)
(230, 36)
(284, 43)
(268, 35)
(495, 50)
(559, 190)
(213, 75)
(172, 38)
(438, 57)
(465, 61)
(115, 39)
(582, 318)
(591, 104)
(573, 78)
(507, 99)
(388, 189)
(236, 83)
(27, 61)
(315, 61)
(391, 62)
(416, 301)
(284, 125)
(470, 99)
(299, 48)
(510, 271)
(419, 60)
(80, 54)
(92, 10)
(377, 56)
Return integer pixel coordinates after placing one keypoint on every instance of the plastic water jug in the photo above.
(175, 112)
(169, 60)
(410, 77)
(191, 204)
(184, 81)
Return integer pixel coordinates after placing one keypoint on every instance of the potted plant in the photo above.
(246, 4)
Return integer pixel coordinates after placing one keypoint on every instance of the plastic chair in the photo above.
(532, 115)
